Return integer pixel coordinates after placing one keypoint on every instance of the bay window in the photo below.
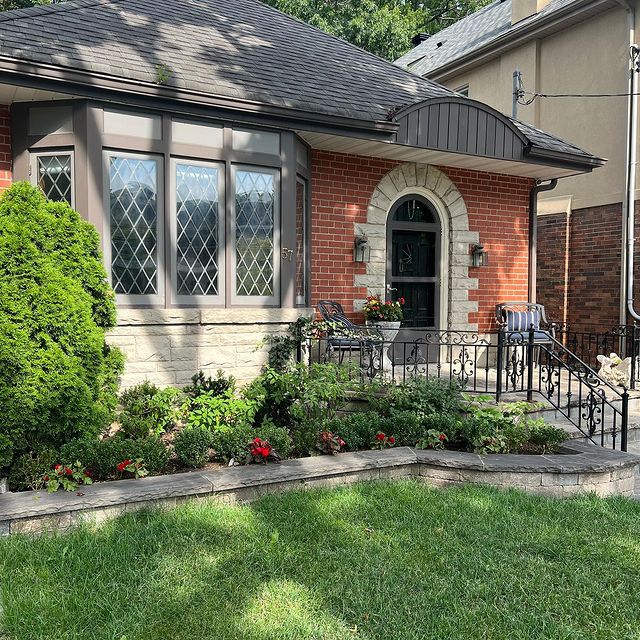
(193, 211)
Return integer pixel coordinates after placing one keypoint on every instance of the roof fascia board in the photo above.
(569, 160)
(137, 93)
(514, 38)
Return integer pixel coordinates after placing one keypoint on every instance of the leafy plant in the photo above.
(545, 436)
(382, 441)
(425, 396)
(28, 471)
(220, 411)
(135, 468)
(433, 439)
(69, 478)
(330, 443)
(163, 73)
(218, 386)
(357, 429)
(192, 446)
(58, 374)
(148, 409)
(6, 451)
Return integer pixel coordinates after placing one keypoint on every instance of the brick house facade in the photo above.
(227, 210)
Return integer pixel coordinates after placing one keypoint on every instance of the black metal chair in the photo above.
(516, 319)
(345, 338)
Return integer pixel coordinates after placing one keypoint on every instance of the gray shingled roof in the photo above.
(238, 49)
(232, 48)
(468, 34)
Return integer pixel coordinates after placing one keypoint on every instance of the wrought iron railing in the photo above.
(497, 364)
(588, 342)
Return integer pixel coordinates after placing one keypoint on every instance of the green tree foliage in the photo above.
(58, 378)
(383, 27)
(7, 5)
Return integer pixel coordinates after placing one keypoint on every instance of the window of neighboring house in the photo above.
(463, 90)
(255, 223)
(134, 215)
(53, 173)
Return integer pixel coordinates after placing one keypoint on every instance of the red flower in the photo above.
(401, 300)
(341, 442)
(58, 467)
(87, 474)
(257, 441)
(123, 465)
(68, 471)
(380, 436)
(46, 478)
(442, 437)
(392, 440)
(265, 451)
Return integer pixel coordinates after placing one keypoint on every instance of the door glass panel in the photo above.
(415, 211)
(197, 232)
(54, 177)
(133, 196)
(413, 254)
(255, 242)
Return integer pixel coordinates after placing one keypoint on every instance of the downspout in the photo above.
(533, 233)
(630, 177)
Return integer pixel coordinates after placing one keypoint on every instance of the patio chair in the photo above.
(516, 319)
(344, 338)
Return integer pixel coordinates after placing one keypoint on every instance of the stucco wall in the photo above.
(588, 57)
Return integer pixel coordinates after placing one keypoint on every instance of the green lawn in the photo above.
(385, 561)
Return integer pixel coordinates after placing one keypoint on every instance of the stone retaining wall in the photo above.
(581, 469)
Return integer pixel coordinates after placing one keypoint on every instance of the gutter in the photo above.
(149, 94)
(628, 230)
(533, 233)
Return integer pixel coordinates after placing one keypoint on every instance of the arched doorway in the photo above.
(414, 245)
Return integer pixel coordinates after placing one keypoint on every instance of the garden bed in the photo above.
(579, 468)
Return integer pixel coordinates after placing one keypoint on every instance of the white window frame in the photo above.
(298, 302)
(252, 301)
(182, 299)
(131, 299)
(33, 168)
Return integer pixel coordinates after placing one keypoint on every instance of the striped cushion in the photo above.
(522, 320)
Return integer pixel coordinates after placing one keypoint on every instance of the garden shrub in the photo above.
(230, 443)
(192, 446)
(424, 396)
(217, 386)
(278, 437)
(357, 429)
(57, 375)
(101, 457)
(28, 471)
(148, 409)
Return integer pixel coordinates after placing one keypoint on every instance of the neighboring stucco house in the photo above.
(230, 155)
(559, 47)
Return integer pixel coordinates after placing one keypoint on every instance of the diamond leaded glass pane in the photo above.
(197, 229)
(255, 210)
(54, 177)
(133, 191)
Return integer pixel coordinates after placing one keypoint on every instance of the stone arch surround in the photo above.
(434, 184)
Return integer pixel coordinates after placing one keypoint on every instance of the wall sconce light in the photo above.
(361, 249)
(479, 257)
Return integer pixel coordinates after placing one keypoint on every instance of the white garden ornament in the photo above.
(615, 370)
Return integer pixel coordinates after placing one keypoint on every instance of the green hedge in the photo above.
(58, 378)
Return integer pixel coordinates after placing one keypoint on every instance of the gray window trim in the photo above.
(267, 301)
(197, 300)
(135, 300)
(33, 168)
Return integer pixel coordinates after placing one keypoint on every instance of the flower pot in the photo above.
(388, 330)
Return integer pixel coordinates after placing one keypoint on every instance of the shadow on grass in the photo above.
(392, 560)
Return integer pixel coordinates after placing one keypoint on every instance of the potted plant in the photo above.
(385, 315)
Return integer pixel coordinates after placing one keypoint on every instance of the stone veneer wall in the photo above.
(167, 346)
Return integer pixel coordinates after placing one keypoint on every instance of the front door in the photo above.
(413, 265)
